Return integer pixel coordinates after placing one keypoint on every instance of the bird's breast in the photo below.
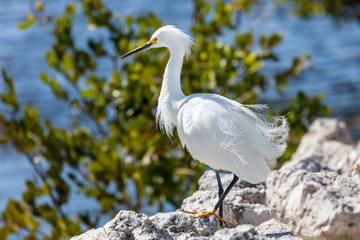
(166, 115)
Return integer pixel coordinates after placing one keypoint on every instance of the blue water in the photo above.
(334, 48)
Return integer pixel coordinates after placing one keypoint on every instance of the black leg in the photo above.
(218, 204)
(221, 191)
(227, 190)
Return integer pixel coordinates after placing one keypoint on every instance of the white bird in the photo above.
(217, 131)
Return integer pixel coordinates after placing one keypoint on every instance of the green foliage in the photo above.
(124, 147)
(30, 20)
(338, 9)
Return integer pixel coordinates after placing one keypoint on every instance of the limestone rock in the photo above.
(180, 225)
(131, 225)
(243, 232)
(275, 229)
(321, 130)
(314, 202)
(338, 157)
(356, 170)
(325, 129)
(173, 225)
(92, 234)
(245, 204)
(329, 143)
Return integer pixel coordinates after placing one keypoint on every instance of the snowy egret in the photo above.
(217, 131)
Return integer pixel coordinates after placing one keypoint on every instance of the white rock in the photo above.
(131, 225)
(173, 225)
(356, 170)
(329, 143)
(321, 130)
(182, 225)
(243, 232)
(92, 234)
(275, 229)
(245, 204)
(314, 202)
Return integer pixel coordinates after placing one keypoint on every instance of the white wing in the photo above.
(226, 135)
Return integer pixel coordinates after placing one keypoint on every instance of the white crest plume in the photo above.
(182, 40)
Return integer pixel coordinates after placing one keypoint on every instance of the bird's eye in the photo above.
(153, 41)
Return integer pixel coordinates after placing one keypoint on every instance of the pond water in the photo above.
(334, 48)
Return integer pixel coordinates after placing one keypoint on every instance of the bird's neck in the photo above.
(171, 86)
(171, 94)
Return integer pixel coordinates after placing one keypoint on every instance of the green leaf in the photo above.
(39, 6)
(67, 62)
(44, 77)
(30, 20)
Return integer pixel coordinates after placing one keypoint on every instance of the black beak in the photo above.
(145, 46)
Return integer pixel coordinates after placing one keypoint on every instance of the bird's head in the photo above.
(170, 37)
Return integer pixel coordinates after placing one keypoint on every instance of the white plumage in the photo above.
(226, 135)
(217, 131)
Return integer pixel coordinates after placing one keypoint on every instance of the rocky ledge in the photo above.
(314, 196)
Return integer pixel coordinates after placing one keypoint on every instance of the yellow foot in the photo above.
(205, 214)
